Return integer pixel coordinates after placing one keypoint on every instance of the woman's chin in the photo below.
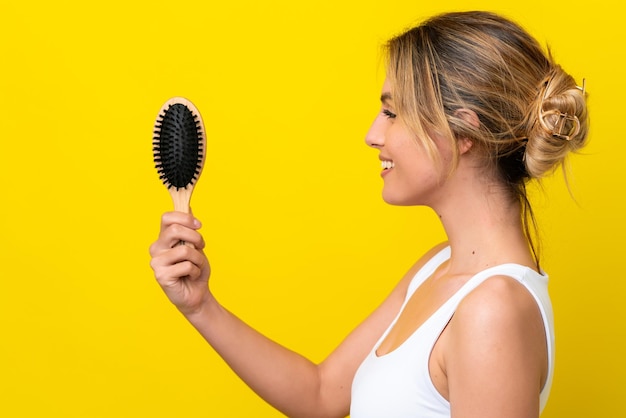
(395, 200)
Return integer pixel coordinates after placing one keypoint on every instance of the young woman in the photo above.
(472, 109)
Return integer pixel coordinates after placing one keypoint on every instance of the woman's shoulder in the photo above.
(496, 336)
(502, 312)
(499, 297)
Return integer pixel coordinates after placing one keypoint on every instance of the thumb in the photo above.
(196, 222)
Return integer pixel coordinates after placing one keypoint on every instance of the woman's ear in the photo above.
(470, 117)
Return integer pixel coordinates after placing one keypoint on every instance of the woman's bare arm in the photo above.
(285, 379)
(495, 353)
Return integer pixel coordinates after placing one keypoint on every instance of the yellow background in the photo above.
(301, 244)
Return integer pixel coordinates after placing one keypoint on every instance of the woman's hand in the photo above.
(181, 270)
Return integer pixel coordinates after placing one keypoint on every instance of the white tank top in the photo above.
(398, 384)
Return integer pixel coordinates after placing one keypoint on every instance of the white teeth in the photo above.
(386, 164)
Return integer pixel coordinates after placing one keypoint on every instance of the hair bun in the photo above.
(558, 123)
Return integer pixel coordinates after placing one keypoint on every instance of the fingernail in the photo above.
(197, 223)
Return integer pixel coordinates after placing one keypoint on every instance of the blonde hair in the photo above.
(531, 113)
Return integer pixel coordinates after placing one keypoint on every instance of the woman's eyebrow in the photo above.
(385, 97)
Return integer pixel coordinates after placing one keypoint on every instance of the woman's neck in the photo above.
(483, 225)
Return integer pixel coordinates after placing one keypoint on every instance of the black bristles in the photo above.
(177, 146)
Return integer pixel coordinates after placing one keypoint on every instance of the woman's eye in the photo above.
(389, 114)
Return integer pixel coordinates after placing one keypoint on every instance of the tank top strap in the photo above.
(427, 269)
(514, 271)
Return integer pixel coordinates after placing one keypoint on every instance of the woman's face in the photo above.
(410, 176)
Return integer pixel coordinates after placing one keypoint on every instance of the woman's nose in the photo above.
(375, 136)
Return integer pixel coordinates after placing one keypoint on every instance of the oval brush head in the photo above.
(178, 147)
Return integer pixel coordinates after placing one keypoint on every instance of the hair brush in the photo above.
(178, 146)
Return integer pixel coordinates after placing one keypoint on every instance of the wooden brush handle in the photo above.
(181, 199)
